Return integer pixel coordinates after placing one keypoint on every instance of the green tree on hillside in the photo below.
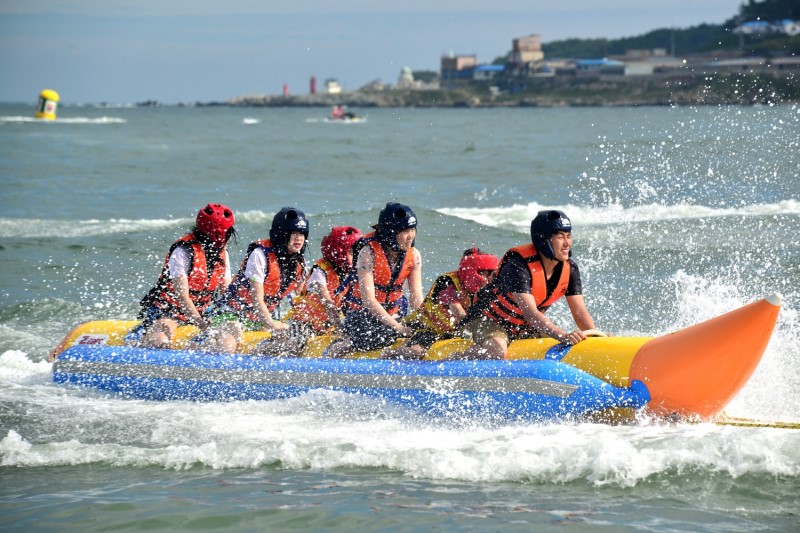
(696, 39)
(770, 10)
(699, 38)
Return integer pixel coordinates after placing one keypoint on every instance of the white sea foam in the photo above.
(67, 120)
(16, 366)
(290, 433)
(326, 430)
(519, 215)
(42, 228)
(516, 217)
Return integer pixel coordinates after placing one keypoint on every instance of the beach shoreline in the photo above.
(728, 88)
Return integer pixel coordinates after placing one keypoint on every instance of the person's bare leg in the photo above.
(159, 335)
(224, 338)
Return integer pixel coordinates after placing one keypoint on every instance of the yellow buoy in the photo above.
(48, 104)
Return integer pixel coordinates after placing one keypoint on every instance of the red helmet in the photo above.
(472, 264)
(214, 221)
(337, 243)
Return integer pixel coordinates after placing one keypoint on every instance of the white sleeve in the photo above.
(366, 260)
(179, 263)
(317, 278)
(256, 268)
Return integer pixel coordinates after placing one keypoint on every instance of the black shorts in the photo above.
(425, 338)
(366, 332)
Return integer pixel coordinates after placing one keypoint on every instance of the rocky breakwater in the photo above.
(685, 88)
(388, 98)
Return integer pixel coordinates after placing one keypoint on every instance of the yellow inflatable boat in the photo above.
(692, 373)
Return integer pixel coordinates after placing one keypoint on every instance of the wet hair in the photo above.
(472, 251)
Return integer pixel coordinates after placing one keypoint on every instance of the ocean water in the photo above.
(680, 214)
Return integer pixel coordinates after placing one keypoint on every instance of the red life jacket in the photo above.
(502, 308)
(202, 283)
(309, 307)
(277, 285)
(388, 281)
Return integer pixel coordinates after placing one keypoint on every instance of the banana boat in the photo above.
(689, 374)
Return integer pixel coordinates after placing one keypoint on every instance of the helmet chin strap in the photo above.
(544, 247)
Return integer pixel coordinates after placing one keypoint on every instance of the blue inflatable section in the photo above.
(513, 390)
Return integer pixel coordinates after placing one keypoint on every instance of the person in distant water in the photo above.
(530, 278)
(317, 310)
(196, 266)
(385, 261)
(446, 304)
(271, 270)
(338, 113)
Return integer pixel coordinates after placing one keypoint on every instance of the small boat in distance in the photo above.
(340, 115)
(353, 120)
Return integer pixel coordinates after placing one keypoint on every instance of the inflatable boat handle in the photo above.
(594, 333)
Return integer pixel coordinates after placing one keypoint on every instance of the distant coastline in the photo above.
(726, 88)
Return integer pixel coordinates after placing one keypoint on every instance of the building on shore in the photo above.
(526, 62)
(332, 86)
(406, 79)
(456, 70)
(762, 27)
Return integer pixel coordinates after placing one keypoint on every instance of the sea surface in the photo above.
(679, 214)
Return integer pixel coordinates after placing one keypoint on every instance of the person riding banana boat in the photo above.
(385, 262)
(316, 311)
(530, 279)
(272, 270)
(446, 304)
(196, 266)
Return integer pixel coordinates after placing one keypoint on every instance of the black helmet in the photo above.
(286, 221)
(544, 225)
(393, 219)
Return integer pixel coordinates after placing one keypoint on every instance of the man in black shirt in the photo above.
(530, 279)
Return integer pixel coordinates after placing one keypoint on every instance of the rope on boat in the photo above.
(725, 420)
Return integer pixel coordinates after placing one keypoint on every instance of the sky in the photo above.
(128, 51)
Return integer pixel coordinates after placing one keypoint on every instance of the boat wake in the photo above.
(68, 120)
(311, 432)
(516, 218)
(42, 227)
(519, 215)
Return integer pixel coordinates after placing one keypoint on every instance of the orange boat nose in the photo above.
(696, 371)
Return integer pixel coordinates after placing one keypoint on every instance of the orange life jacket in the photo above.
(388, 281)
(308, 308)
(202, 283)
(434, 315)
(277, 285)
(502, 308)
